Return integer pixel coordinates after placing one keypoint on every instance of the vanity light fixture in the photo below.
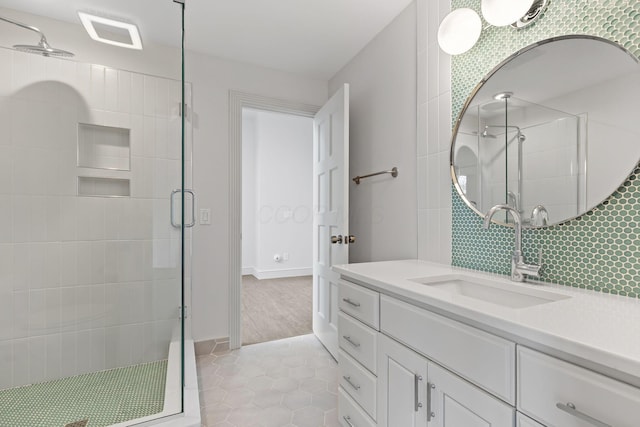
(460, 29)
(504, 12)
(453, 41)
(111, 31)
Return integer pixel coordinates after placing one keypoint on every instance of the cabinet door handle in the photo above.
(570, 409)
(347, 419)
(350, 341)
(351, 383)
(416, 403)
(430, 388)
(348, 301)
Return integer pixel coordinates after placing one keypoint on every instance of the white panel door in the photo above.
(455, 403)
(402, 380)
(331, 212)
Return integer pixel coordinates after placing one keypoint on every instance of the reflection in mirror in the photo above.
(550, 131)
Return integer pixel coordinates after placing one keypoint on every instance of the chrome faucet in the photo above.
(519, 268)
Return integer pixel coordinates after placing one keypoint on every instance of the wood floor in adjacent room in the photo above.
(273, 309)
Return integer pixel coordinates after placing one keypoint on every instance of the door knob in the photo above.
(337, 239)
(349, 239)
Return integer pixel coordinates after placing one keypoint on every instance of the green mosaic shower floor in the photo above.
(103, 398)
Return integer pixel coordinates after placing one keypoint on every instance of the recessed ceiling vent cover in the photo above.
(115, 34)
(111, 31)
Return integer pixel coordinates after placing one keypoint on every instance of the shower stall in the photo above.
(95, 167)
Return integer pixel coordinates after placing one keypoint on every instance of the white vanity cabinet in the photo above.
(402, 385)
(560, 394)
(404, 365)
(413, 392)
(358, 324)
(524, 421)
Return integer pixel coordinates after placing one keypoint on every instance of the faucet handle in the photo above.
(532, 270)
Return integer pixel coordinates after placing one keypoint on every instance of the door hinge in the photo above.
(184, 108)
(183, 312)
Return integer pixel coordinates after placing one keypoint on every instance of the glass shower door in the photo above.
(91, 239)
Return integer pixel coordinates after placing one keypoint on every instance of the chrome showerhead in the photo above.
(42, 48)
(485, 134)
(44, 51)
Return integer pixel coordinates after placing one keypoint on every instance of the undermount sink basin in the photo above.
(505, 295)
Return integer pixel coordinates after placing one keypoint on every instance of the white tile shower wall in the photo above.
(86, 283)
(434, 135)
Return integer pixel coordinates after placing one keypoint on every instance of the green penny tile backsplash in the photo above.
(600, 250)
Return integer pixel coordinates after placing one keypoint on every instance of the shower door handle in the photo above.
(193, 208)
(174, 224)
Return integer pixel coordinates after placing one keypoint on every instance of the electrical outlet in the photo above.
(285, 256)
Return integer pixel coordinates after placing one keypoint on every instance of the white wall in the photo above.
(212, 79)
(434, 135)
(282, 184)
(606, 124)
(382, 80)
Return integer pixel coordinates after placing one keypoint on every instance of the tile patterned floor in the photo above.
(286, 383)
(103, 398)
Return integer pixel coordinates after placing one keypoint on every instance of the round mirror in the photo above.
(552, 131)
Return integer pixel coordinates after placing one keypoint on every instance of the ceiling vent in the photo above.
(111, 31)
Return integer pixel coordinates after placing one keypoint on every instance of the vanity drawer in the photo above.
(560, 394)
(524, 421)
(358, 340)
(350, 414)
(360, 302)
(358, 382)
(484, 359)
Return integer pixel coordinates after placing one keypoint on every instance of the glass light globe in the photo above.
(459, 31)
(504, 12)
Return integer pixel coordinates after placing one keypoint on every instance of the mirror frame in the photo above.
(481, 84)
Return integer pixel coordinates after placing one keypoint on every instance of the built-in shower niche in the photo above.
(104, 147)
(103, 187)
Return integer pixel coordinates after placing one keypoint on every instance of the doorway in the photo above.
(277, 220)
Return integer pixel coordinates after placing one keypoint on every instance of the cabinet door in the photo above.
(402, 378)
(524, 421)
(454, 402)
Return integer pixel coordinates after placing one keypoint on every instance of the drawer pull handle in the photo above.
(350, 341)
(416, 404)
(348, 380)
(352, 303)
(570, 409)
(430, 414)
(347, 419)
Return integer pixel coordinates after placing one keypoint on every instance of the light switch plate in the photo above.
(205, 216)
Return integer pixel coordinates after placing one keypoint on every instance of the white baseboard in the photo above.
(247, 271)
(277, 274)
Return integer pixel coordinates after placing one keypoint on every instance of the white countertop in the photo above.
(599, 331)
